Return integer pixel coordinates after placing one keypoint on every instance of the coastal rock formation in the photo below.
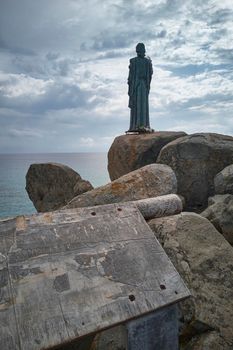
(223, 181)
(51, 185)
(114, 338)
(220, 214)
(196, 159)
(150, 181)
(131, 152)
(204, 260)
(207, 341)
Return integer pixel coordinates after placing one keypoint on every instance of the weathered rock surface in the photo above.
(114, 338)
(207, 341)
(223, 181)
(196, 159)
(220, 214)
(204, 260)
(51, 185)
(131, 152)
(150, 181)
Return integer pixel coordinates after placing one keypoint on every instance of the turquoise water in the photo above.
(13, 168)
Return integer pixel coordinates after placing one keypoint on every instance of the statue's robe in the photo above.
(140, 74)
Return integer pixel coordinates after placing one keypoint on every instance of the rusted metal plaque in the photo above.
(70, 273)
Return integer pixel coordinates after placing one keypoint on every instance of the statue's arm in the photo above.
(150, 73)
(130, 78)
(150, 69)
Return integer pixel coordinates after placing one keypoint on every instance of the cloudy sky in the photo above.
(64, 68)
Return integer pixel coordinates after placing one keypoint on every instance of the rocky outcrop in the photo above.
(50, 185)
(223, 181)
(196, 159)
(150, 181)
(204, 260)
(207, 341)
(131, 152)
(220, 214)
(114, 338)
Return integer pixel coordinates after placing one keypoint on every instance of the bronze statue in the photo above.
(140, 74)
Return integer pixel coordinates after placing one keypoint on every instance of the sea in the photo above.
(14, 199)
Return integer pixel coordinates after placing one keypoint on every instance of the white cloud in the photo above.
(24, 133)
(91, 143)
(87, 142)
(65, 65)
(15, 85)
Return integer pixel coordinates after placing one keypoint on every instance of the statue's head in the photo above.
(140, 49)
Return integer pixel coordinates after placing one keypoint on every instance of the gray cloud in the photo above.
(64, 66)
(221, 16)
(57, 96)
(225, 54)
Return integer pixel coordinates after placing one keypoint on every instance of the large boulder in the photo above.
(51, 185)
(204, 260)
(150, 181)
(196, 159)
(223, 181)
(220, 214)
(131, 152)
(207, 341)
(114, 338)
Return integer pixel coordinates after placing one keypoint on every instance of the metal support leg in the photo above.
(156, 331)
